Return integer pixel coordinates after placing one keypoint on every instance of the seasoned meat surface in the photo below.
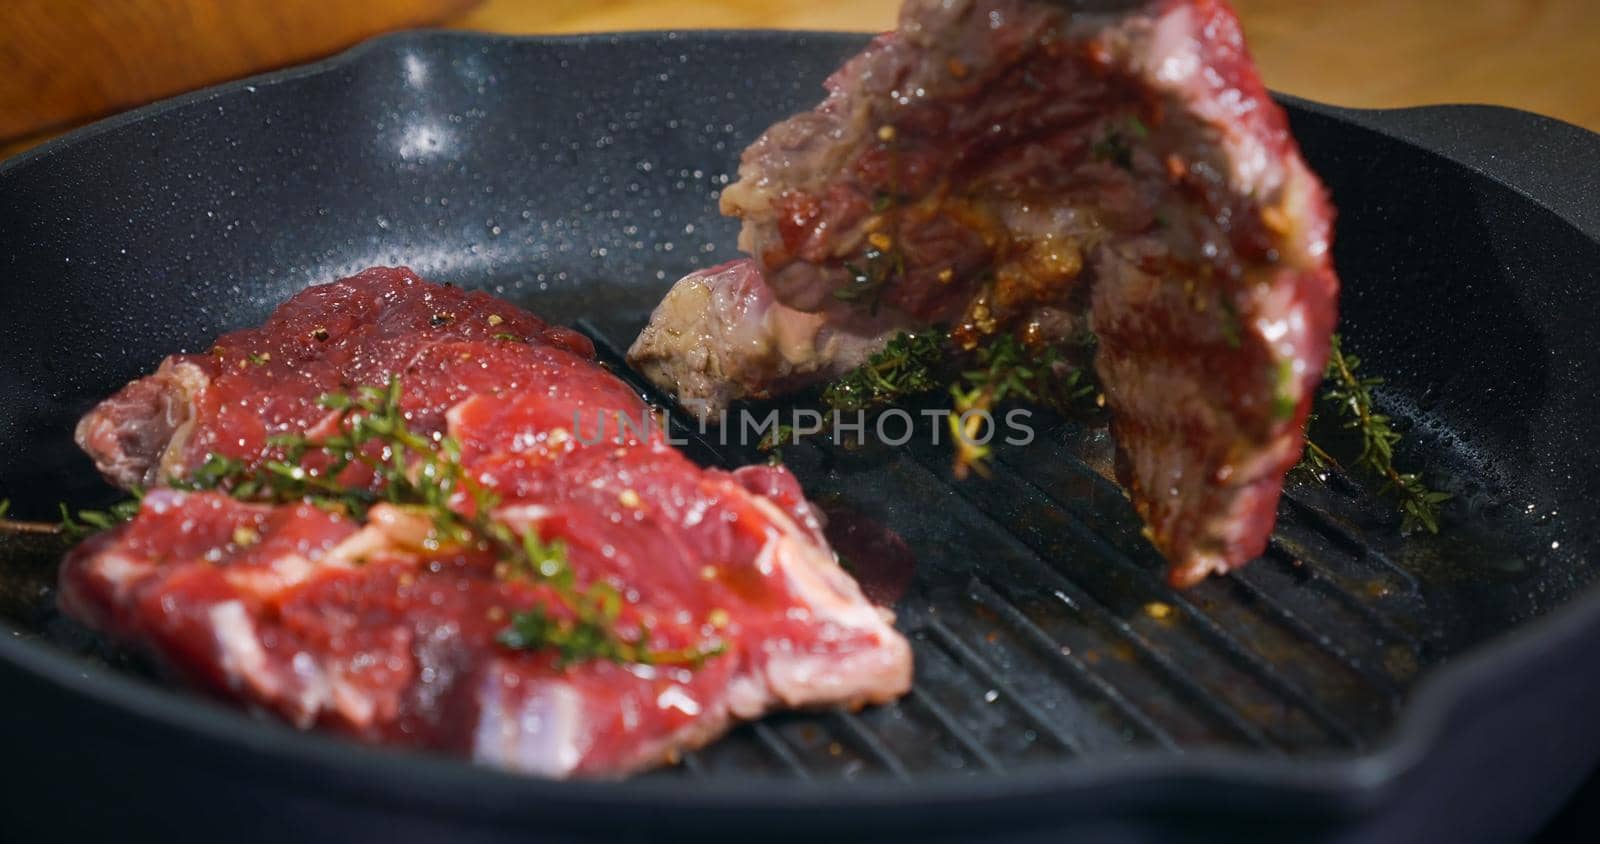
(993, 164)
(444, 342)
(375, 630)
(719, 336)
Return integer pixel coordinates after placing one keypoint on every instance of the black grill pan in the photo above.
(1353, 683)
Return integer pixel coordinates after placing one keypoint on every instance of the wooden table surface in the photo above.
(60, 68)
(1540, 55)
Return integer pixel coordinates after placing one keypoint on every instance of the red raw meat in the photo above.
(363, 629)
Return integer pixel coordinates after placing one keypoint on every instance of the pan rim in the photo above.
(439, 785)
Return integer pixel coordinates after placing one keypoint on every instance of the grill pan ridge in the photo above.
(1338, 683)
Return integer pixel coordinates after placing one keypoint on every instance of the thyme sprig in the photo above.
(1007, 369)
(424, 474)
(773, 441)
(85, 523)
(912, 364)
(908, 365)
(588, 630)
(1349, 393)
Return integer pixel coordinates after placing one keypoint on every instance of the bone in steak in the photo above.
(371, 630)
(997, 165)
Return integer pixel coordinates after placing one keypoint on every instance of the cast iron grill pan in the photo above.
(579, 177)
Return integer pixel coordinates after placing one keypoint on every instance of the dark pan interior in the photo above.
(579, 178)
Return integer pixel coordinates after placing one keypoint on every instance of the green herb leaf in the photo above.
(86, 523)
(773, 441)
(1008, 369)
(425, 473)
(1349, 393)
(908, 365)
(1284, 400)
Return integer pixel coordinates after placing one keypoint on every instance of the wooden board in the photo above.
(1540, 55)
(64, 62)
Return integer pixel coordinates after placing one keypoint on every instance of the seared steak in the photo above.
(378, 630)
(994, 164)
